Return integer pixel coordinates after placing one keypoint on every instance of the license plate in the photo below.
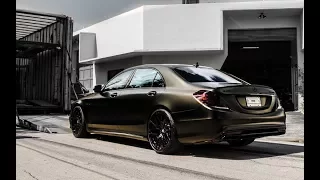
(253, 101)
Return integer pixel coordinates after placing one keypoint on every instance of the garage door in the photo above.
(283, 34)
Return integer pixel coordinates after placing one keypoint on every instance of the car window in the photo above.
(119, 81)
(158, 81)
(143, 78)
(202, 74)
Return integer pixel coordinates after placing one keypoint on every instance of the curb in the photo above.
(29, 125)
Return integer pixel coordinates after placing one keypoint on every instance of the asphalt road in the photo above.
(43, 156)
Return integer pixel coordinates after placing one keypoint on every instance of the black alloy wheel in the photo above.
(162, 133)
(77, 123)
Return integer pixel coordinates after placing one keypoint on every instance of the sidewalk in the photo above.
(295, 129)
(56, 123)
(60, 124)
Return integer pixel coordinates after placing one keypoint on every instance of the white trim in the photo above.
(94, 79)
(145, 52)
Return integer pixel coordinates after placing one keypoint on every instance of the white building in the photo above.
(259, 41)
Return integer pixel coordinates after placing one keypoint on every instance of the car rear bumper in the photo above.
(219, 125)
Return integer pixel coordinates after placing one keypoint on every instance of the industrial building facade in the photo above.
(262, 42)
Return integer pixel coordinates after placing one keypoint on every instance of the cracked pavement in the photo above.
(61, 156)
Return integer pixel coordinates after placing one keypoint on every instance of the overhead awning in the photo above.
(28, 22)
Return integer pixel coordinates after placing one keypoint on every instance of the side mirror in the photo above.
(97, 88)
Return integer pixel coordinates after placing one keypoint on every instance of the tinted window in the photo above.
(143, 78)
(201, 74)
(119, 81)
(158, 81)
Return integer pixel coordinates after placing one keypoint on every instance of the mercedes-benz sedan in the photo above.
(169, 105)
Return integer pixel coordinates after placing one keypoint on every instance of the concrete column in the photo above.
(301, 64)
(94, 79)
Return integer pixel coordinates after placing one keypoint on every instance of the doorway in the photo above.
(265, 60)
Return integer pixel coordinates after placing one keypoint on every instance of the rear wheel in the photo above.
(162, 134)
(77, 123)
(241, 142)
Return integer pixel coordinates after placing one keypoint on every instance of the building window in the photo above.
(190, 1)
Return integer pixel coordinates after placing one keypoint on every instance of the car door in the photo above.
(139, 99)
(102, 108)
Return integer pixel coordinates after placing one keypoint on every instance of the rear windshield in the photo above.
(203, 74)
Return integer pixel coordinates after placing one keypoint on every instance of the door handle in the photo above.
(152, 93)
(114, 95)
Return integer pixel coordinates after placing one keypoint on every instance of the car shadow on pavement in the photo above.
(256, 150)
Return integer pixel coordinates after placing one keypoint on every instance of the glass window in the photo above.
(158, 81)
(202, 74)
(143, 78)
(119, 81)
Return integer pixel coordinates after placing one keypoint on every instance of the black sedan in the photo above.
(169, 105)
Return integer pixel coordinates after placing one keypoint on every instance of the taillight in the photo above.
(202, 96)
(209, 99)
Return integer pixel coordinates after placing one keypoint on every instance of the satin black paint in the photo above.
(125, 112)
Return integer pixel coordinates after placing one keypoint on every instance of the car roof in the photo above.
(166, 65)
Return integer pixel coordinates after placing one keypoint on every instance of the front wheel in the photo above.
(241, 142)
(162, 134)
(77, 123)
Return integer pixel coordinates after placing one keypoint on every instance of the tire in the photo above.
(241, 142)
(161, 128)
(77, 123)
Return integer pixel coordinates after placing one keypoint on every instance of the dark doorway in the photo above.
(263, 62)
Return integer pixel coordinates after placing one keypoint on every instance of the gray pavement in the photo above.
(295, 129)
(59, 123)
(61, 156)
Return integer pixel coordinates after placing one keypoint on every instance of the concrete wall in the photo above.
(101, 69)
(209, 59)
(182, 27)
(118, 35)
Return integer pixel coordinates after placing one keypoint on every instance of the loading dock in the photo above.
(267, 57)
(43, 62)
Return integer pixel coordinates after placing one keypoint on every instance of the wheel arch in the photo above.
(158, 106)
